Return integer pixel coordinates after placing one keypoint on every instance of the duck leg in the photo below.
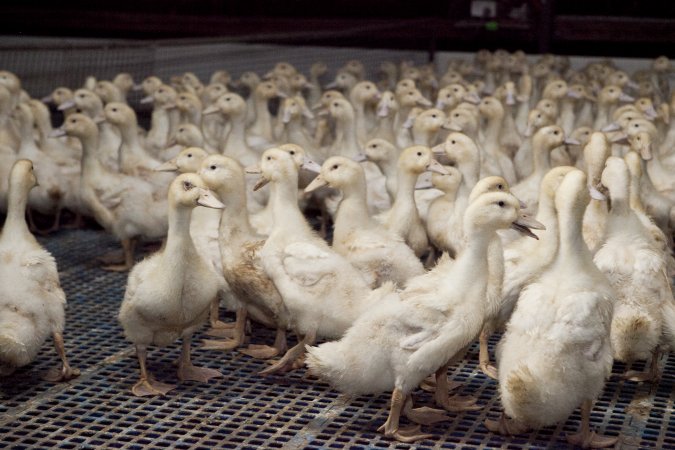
(454, 403)
(65, 372)
(429, 384)
(391, 426)
(484, 356)
(423, 415)
(147, 385)
(189, 372)
(505, 426)
(265, 351)
(128, 246)
(287, 362)
(214, 317)
(238, 333)
(586, 438)
(651, 375)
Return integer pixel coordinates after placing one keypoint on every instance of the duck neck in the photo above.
(541, 158)
(620, 197)
(474, 257)
(345, 137)
(178, 240)
(234, 227)
(263, 117)
(492, 132)
(91, 165)
(129, 134)
(572, 248)
(15, 224)
(634, 200)
(284, 198)
(352, 214)
(405, 192)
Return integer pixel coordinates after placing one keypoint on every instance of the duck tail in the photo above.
(326, 361)
(17, 341)
(632, 336)
(13, 353)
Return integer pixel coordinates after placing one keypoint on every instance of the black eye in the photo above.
(456, 115)
(433, 115)
(367, 87)
(292, 152)
(114, 110)
(555, 132)
(73, 120)
(161, 91)
(269, 158)
(453, 142)
(189, 155)
(336, 104)
(335, 166)
(180, 130)
(500, 186)
(81, 96)
(538, 116)
(213, 167)
(455, 90)
(419, 153)
(187, 185)
(501, 204)
(227, 99)
(78, 110)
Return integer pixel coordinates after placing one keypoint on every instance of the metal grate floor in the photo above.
(242, 409)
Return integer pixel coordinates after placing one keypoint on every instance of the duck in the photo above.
(427, 126)
(108, 92)
(364, 98)
(419, 330)
(543, 142)
(33, 304)
(556, 353)
(387, 108)
(524, 260)
(496, 161)
(403, 218)
(61, 150)
(149, 85)
(168, 295)
(190, 108)
(608, 100)
(259, 134)
(125, 206)
(322, 291)
(522, 160)
(636, 268)
(441, 208)
(239, 247)
(379, 254)
(294, 111)
(596, 153)
(163, 100)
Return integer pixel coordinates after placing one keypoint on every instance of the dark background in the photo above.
(590, 27)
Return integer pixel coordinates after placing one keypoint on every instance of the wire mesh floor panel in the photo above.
(244, 410)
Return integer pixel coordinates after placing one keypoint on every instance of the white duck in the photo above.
(32, 303)
(419, 330)
(125, 206)
(168, 294)
(378, 253)
(403, 218)
(442, 207)
(324, 294)
(556, 353)
(636, 269)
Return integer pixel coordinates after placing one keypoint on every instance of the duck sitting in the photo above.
(123, 205)
(556, 352)
(636, 269)
(416, 331)
(378, 253)
(403, 218)
(32, 303)
(168, 295)
(323, 292)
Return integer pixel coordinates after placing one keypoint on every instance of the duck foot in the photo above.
(429, 384)
(226, 344)
(407, 435)
(640, 377)
(591, 440)
(260, 351)
(149, 387)
(217, 325)
(62, 373)
(116, 268)
(193, 373)
(112, 257)
(489, 370)
(294, 357)
(224, 332)
(457, 403)
(504, 426)
(426, 415)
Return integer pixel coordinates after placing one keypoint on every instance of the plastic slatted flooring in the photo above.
(242, 409)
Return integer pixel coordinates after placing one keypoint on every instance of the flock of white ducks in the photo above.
(433, 182)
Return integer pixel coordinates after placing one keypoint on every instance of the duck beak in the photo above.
(424, 102)
(528, 130)
(651, 113)
(621, 139)
(435, 166)
(571, 141)
(471, 97)
(207, 199)
(99, 119)
(170, 106)
(438, 150)
(510, 99)
(47, 99)
(331, 85)
(254, 169)
(169, 166)
(452, 126)
(361, 157)
(262, 181)
(646, 151)
(57, 132)
(573, 94)
(210, 110)
(424, 182)
(316, 183)
(525, 224)
(596, 194)
(383, 110)
(310, 165)
(66, 105)
(611, 127)
(147, 99)
(626, 98)
(137, 87)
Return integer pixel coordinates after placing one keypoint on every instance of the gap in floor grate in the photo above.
(243, 410)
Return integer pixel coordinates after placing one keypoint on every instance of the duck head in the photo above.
(447, 182)
(188, 160)
(418, 159)
(338, 172)
(189, 190)
(493, 211)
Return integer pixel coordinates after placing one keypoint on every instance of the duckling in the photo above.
(123, 205)
(239, 247)
(378, 253)
(523, 261)
(108, 92)
(163, 101)
(501, 164)
(294, 110)
(190, 107)
(316, 72)
(168, 295)
(403, 218)
(426, 127)
(608, 100)
(416, 331)
(408, 98)
(556, 352)
(384, 155)
(576, 151)
(441, 208)
(636, 269)
(124, 82)
(323, 293)
(596, 153)
(259, 134)
(543, 142)
(62, 151)
(522, 160)
(364, 98)
(150, 84)
(344, 82)
(32, 303)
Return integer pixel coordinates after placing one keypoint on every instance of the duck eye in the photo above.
(189, 155)
(500, 186)
(419, 153)
(161, 91)
(73, 120)
(78, 110)
(453, 142)
(292, 152)
(213, 167)
(180, 130)
(555, 132)
(336, 104)
(335, 166)
(433, 115)
(114, 110)
(501, 204)
(187, 185)
(269, 158)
